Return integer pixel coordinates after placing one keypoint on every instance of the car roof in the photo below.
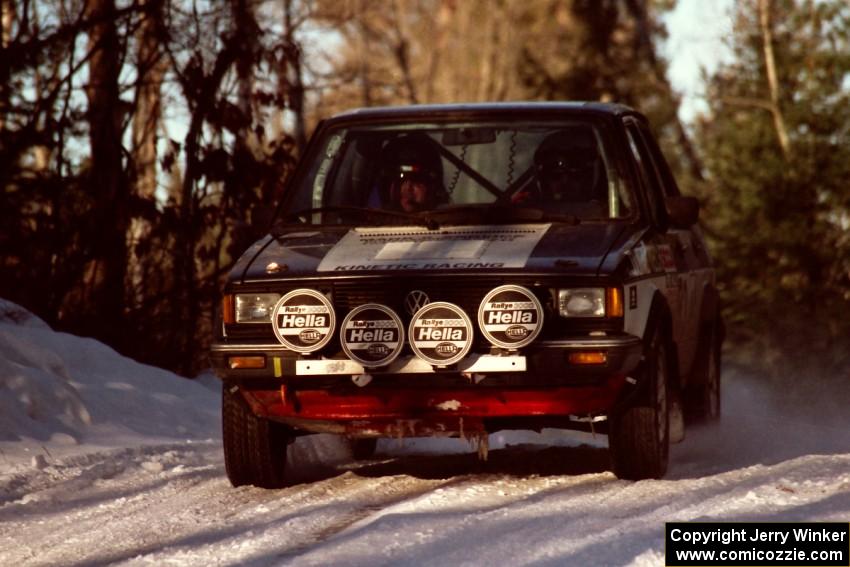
(480, 110)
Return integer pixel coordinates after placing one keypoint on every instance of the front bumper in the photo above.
(410, 412)
(546, 358)
(484, 392)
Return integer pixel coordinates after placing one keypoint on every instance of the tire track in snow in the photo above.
(79, 472)
(395, 490)
(156, 503)
(100, 502)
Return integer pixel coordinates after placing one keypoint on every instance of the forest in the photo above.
(137, 137)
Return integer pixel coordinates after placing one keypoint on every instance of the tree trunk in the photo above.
(151, 67)
(765, 9)
(187, 285)
(248, 146)
(105, 288)
(246, 31)
(294, 78)
(363, 68)
(445, 13)
(402, 49)
(7, 19)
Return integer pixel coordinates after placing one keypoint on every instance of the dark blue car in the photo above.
(457, 270)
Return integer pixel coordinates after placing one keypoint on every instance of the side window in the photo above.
(320, 172)
(668, 185)
(649, 178)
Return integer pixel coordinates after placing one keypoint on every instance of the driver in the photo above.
(567, 167)
(415, 175)
(414, 188)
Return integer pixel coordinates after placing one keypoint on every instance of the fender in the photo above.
(640, 296)
(657, 312)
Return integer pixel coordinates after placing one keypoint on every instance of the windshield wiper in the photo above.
(565, 218)
(366, 213)
(502, 213)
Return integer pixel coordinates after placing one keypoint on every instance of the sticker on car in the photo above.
(372, 335)
(303, 320)
(413, 248)
(440, 333)
(510, 317)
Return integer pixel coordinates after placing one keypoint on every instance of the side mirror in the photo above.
(683, 212)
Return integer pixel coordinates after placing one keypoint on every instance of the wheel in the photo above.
(363, 449)
(639, 438)
(254, 448)
(703, 396)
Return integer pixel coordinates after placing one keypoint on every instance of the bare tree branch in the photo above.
(765, 7)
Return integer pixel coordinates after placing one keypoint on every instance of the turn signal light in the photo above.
(246, 362)
(228, 309)
(588, 358)
(614, 301)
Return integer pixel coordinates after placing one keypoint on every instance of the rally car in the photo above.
(454, 270)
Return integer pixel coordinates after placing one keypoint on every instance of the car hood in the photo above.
(582, 249)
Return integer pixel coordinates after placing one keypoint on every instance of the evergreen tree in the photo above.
(775, 143)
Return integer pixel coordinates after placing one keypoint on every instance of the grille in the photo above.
(466, 295)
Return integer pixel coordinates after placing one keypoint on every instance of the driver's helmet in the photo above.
(567, 165)
(414, 157)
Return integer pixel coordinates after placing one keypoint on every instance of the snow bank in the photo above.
(63, 397)
(62, 394)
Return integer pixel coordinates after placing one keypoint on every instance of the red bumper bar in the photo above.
(400, 403)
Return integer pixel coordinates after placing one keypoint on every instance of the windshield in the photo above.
(379, 174)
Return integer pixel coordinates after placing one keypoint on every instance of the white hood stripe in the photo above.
(414, 248)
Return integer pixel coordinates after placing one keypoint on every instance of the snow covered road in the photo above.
(97, 484)
(172, 505)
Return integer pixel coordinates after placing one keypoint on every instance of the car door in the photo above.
(677, 247)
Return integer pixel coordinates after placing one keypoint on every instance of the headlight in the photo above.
(582, 302)
(590, 302)
(255, 307)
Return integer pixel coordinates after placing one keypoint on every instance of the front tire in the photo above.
(639, 438)
(254, 447)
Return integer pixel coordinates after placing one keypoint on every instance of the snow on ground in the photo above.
(106, 461)
(63, 395)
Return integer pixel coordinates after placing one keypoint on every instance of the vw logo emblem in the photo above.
(416, 300)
